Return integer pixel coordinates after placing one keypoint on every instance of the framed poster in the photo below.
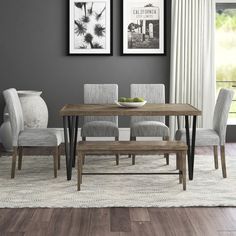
(90, 27)
(143, 27)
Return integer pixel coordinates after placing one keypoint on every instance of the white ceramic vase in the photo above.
(34, 109)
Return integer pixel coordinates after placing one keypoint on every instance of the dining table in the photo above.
(71, 113)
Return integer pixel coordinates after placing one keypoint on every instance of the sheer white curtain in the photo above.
(192, 57)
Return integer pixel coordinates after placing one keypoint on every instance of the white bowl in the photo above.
(131, 104)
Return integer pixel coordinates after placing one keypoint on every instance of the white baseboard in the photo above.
(124, 135)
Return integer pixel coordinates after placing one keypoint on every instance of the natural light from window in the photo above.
(226, 51)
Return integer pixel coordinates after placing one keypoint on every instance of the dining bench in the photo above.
(135, 148)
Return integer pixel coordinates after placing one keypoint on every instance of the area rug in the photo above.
(34, 185)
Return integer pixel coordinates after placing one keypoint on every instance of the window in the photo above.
(226, 50)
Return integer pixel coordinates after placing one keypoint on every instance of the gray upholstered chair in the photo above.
(148, 126)
(100, 126)
(214, 137)
(22, 137)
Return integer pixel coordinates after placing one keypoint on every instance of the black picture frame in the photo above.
(109, 36)
(142, 51)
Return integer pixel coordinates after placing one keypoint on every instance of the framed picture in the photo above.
(90, 27)
(143, 27)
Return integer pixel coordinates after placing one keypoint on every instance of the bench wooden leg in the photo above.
(79, 170)
(183, 155)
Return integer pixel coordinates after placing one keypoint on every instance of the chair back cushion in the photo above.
(152, 93)
(221, 112)
(100, 94)
(15, 113)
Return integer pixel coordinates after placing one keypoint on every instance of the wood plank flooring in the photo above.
(121, 221)
(118, 221)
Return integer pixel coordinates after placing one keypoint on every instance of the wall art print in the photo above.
(90, 27)
(143, 27)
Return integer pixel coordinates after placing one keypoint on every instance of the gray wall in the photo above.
(33, 55)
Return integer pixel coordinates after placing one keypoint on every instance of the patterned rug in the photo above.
(34, 185)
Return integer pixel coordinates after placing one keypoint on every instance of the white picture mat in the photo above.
(126, 19)
(73, 50)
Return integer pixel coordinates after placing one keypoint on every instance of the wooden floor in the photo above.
(118, 221)
(121, 221)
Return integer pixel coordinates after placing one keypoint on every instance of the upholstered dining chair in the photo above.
(149, 126)
(216, 136)
(22, 137)
(100, 126)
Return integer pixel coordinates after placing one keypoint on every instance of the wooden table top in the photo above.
(114, 110)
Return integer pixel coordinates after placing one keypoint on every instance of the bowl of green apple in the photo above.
(130, 102)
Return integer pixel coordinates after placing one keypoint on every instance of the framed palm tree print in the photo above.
(143, 27)
(90, 27)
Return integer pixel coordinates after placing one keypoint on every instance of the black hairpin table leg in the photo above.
(188, 144)
(75, 139)
(70, 124)
(193, 146)
(71, 121)
(65, 125)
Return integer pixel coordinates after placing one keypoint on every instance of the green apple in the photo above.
(129, 99)
(138, 99)
(122, 99)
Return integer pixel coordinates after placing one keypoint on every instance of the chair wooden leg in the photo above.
(223, 164)
(59, 158)
(20, 158)
(179, 160)
(183, 158)
(117, 155)
(216, 157)
(55, 161)
(130, 155)
(133, 156)
(83, 160)
(81, 170)
(133, 159)
(167, 158)
(117, 159)
(166, 155)
(13, 165)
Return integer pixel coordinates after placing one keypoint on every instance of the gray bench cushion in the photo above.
(204, 137)
(39, 137)
(100, 129)
(149, 129)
